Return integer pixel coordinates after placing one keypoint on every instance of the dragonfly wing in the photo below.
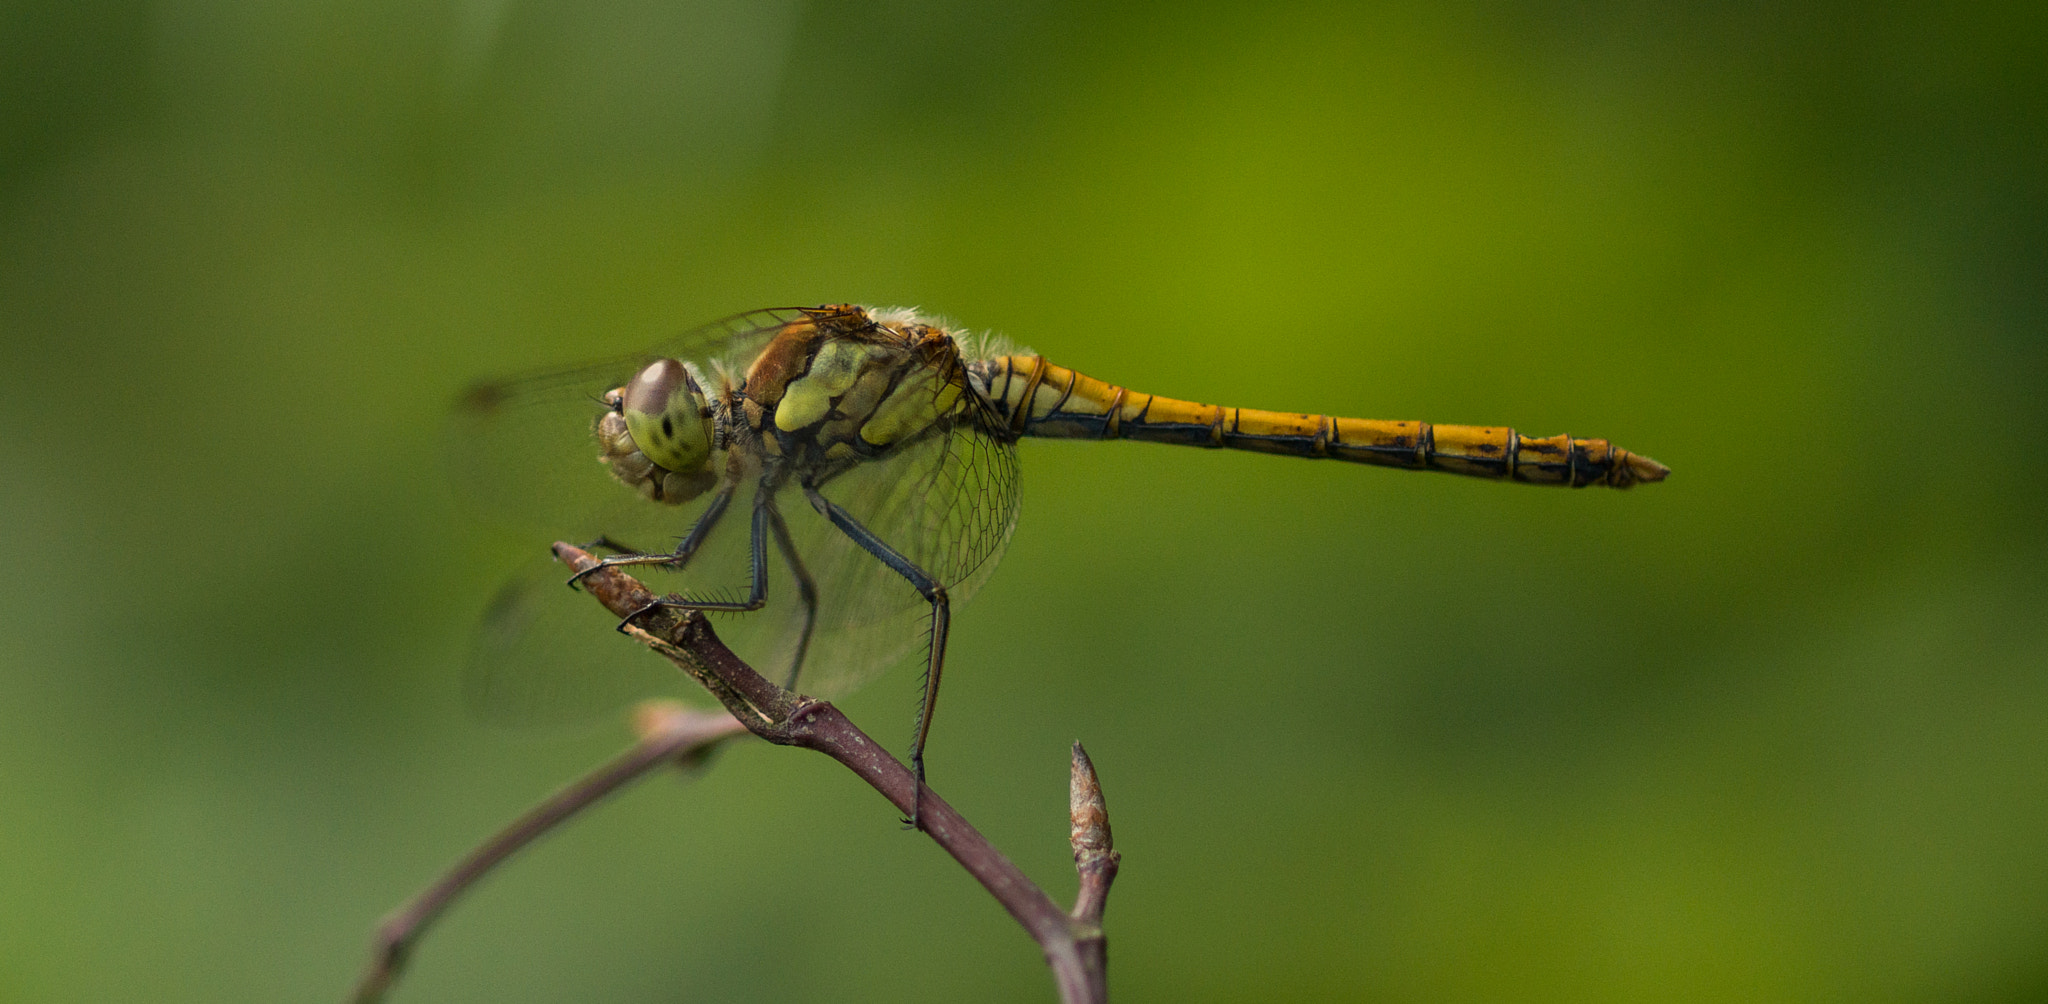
(545, 654)
(947, 502)
(521, 449)
(542, 655)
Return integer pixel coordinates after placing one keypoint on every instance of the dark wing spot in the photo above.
(668, 427)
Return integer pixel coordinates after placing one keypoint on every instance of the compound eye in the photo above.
(665, 413)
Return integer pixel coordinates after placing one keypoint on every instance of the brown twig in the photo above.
(669, 733)
(1072, 942)
(788, 719)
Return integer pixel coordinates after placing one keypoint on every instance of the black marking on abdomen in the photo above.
(1177, 433)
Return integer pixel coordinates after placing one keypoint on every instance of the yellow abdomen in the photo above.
(1037, 398)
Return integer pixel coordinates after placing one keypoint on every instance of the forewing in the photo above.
(521, 448)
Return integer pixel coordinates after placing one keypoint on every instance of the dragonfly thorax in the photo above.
(657, 433)
(851, 384)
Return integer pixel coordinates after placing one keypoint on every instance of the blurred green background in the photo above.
(1776, 729)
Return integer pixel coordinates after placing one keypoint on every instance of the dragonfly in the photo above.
(870, 455)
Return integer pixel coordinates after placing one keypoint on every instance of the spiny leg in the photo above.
(602, 543)
(687, 547)
(757, 562)
(932, 591)
(806, 591)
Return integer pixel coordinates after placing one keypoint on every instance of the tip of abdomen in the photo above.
(1636, 469)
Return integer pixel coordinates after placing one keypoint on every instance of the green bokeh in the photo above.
(1773, 730)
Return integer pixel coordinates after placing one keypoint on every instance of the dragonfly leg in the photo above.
(607, 543)
(757, 593)
(603, 543)
(675, 559)
(933, 592)
(806, 591)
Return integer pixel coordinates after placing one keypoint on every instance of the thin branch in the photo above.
(788, 719)
(1072, 942)
(669, 733)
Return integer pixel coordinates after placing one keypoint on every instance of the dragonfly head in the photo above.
(657, 433)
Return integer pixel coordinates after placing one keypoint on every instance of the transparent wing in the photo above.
(521, 450)
(542, 655)
(947, 501)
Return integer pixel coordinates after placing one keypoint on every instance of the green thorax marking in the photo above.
(860, 389)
